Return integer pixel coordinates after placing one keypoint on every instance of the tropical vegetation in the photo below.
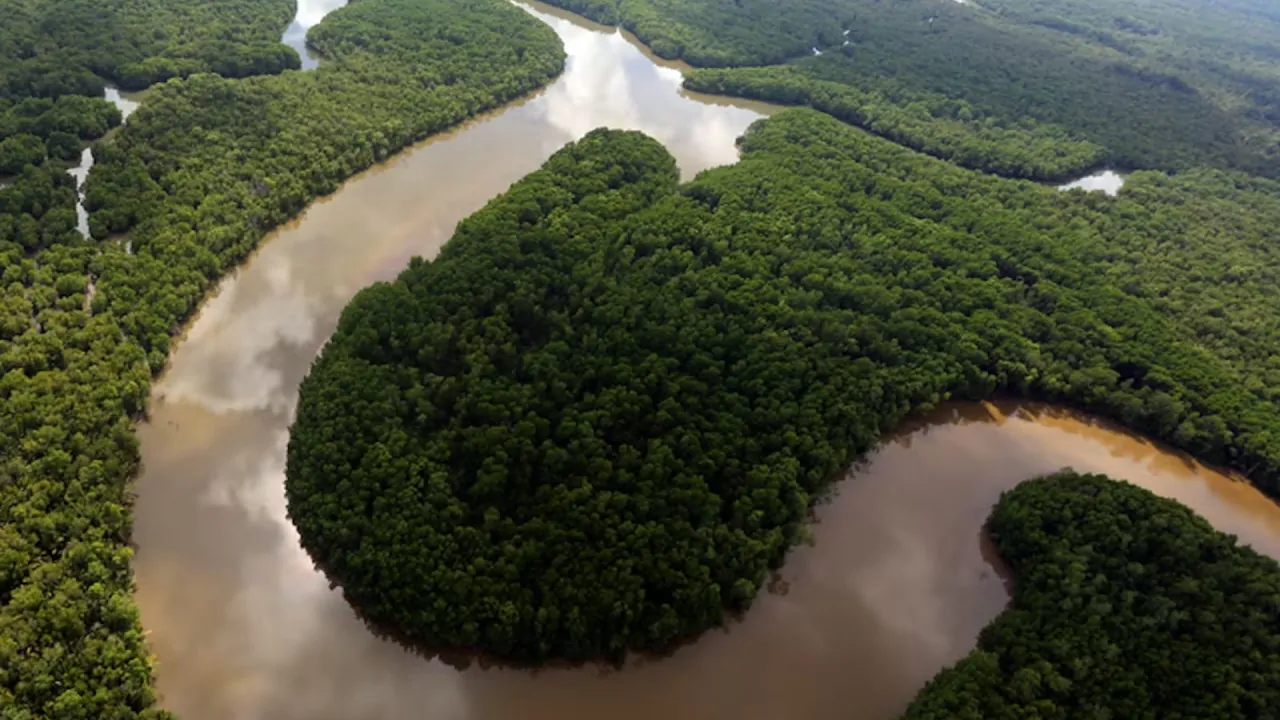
(195, 180)
(598, 419)
(929, 122)
(210, 164)
(1171, 85)
(1125, 605)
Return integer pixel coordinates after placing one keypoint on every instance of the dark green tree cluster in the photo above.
(1170, 85)
(597, 419)
(19, 151)
(67, 47)
(931, 123)
(197, 178)
(721, 33)
(37, 211)
(1125, 605)
(1233, 44)
(212, 164)
(1146, 113)
(36, 129)
(70, 383)
(604, 12)
(55, 57)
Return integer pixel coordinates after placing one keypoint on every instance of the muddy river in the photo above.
(896, 583)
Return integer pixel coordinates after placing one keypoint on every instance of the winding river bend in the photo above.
(896, 584)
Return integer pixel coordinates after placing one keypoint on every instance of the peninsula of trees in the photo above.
(196, 179)
(1125, 605)
(596, 421)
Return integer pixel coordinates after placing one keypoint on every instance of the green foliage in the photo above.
(63, 146)
(54, 56)
(209, 165)
(81, 117)
(488, 495)
(604, 12)
(204, 170)
(720, 33)
(1231, 45)
(70, 644)
(1147, 114)
(597, 419)
(1126, 605)
(724, 33)
(19, 151)
(931, 123)
(50, 49)
(1171, 84)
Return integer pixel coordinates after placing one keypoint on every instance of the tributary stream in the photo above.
(895, 585)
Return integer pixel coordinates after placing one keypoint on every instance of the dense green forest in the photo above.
(1146, 113)
(209, 165)
(598, 419)
(1125, 605)
(197, 177)
(69, 47)
(929, 122)
(1170, 84)
(55, 58)
(722, 33)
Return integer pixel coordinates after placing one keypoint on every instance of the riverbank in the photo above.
(231, 388)
(100, 321)
(894, 584)
(213, 448)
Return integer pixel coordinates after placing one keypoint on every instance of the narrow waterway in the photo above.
(310, 13)
(896, 584)
(126, 103)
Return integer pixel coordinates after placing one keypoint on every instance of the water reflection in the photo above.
(310, 13)
(241, 624)
(610, 81)
(1107, 181)
(895, 586)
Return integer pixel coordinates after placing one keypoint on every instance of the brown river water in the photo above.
(895, 584)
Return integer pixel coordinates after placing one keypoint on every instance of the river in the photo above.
(310, 13)
(126, 103)
(896, 584)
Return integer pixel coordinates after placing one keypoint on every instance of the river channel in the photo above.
(126, 103)
(895, 585)
(310, 13)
